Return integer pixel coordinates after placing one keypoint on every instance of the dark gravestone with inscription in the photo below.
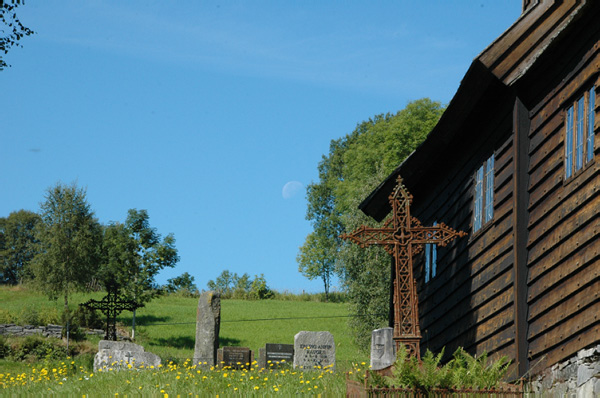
(275, 355)
(314, 350)
(234, 357)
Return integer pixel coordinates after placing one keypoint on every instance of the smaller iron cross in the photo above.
(128, 356)
(403, 236)
(111, 306)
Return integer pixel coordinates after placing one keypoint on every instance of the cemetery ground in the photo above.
(166, 326)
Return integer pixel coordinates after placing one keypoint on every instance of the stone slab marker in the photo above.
(208, 320)
(314, 350)
(123, 355)
(383, 350)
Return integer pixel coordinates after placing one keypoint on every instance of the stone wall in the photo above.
(577, 377)
(45, 331)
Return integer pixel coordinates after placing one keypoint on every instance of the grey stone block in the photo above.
(314, 350)
(208, 320)
(119, 355)
(383, 349)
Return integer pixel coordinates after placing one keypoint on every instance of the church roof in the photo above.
(493, 74)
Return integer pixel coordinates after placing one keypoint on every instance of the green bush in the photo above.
(7, 317)
(30, 316)
(35, 348)
(87, 318)
(75, 332)
(259, 289)
(50, 316)
(4, 348)
(462, 372)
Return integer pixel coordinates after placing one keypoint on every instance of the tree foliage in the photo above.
(356, 164)
(230, 285)
(183, 284)
(11, 27)
(18, 245)
(133, 254)
(315, 259)
(70, 238)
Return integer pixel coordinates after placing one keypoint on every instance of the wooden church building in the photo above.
(515, 162)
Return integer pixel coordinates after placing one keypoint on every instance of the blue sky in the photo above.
(202, 112)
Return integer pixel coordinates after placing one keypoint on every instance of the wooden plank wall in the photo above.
(564, 229)
(470, 301)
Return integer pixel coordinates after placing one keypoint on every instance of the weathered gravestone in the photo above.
(235, 357)
(123, 355)
(274, 355)
(314, 350)
(208, 320)
(383, 350)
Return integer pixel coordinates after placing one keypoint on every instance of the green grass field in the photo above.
(166, 326)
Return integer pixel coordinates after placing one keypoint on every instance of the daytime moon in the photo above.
(291, 189)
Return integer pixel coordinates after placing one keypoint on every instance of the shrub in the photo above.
(87, 318)
(4, 348)
(259, 289)
(7, 317)
(29, 316)
(50, 315)
(462, 372)
(35, 348)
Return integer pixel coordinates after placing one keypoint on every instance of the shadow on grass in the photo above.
(228, 342)
(175, 342)
(144, 320)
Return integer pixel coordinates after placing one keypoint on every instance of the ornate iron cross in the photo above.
(111, 306)
(403, 236)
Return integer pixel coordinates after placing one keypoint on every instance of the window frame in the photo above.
(579, 134)
(483, 195)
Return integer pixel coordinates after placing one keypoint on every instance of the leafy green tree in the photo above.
(183, 284)
(133, 254)
(70, 239)
(259, 289)
(315, 259)
(18, 245)
(355, 165)
(224, 283)
(11, 27)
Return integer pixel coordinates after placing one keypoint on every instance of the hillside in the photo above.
(166, 325)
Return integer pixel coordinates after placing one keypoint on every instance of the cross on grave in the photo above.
(111, 306)
(403, 236)
(128, 356)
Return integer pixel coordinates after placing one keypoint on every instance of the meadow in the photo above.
(166, 326)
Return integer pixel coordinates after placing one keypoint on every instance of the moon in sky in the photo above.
(291, 189)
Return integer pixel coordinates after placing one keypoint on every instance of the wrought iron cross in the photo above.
(403, 236)
(111, 306)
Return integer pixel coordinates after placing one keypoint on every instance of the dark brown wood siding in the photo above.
(469, 302)
(564, 226)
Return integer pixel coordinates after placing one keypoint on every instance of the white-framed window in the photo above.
(483, 208)
(579, 132)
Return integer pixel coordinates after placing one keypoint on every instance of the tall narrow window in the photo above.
(478, 199)
(569, 144)
(579, 137)
(483, 208)
(590, 125)
(489, 189)
(430, 260)
(579, 133)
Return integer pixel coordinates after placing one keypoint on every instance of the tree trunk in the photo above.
(68, 316)
(133, 326)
